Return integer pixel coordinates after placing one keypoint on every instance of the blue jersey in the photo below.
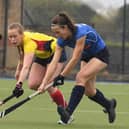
(93, 43)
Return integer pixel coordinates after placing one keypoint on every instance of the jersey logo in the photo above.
(87, 46)
(43, 45)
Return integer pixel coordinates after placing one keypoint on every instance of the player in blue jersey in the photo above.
(88, 46)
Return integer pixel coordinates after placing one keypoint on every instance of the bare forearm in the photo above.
(23, 74)
(52, 66)
(71, 64)
(50, 72)
(75, 57)
(19, 67)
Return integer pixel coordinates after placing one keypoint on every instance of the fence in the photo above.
(35, 15)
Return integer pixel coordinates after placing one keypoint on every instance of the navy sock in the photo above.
(76, 96)
(100, 99)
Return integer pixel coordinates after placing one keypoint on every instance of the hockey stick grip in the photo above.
(8, 98)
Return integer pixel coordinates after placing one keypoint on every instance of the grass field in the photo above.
(40, 113)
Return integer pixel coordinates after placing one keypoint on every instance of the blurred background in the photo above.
(110, 18)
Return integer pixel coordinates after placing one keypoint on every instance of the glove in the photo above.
(18, 91)
(59, 80)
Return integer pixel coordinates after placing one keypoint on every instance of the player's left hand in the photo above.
(18, 90)
(59, 80)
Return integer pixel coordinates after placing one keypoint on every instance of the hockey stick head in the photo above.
(16, 105)
(1, 103)
(2, 114)
(6, 99)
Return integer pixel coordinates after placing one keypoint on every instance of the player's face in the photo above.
(14, 37)
(62, 32)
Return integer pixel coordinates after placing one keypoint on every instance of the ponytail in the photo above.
(63, 19)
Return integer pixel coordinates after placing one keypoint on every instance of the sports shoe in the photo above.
(64, 114)
(69, 121)
(111, 111)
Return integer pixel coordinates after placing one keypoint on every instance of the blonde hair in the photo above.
(17, 26)
(20, 29)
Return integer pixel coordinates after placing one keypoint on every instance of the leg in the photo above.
(87, 72)
(76, 95)
(55, 93)
(91, 91)
(36, 75)
(35, 78)
(96, 96)
(99, 98)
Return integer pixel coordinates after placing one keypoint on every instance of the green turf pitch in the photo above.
(40, 112)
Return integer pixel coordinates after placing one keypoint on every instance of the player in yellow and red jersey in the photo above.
(35, 53)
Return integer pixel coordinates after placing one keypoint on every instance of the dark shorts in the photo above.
(102, 55)
(46, 61)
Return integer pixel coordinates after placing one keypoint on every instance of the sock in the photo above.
(76, 96)
(100, 99)
(58, 98)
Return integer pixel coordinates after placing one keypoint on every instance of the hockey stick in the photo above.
(15, 106)
(6, 99)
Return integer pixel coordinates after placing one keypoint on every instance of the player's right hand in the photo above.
(59, 80)
(18, 90)
(41, 89)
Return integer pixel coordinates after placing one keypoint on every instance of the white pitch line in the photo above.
(78, 111)
(111, 93)
(72, 81)
(95, 111)
(5, 88)
(113, 83)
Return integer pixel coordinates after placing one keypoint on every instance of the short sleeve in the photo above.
(80, 35)
(60, 42)
(91, 36)
(81, 31)
(29, 46)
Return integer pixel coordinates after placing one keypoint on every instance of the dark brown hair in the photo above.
(63, 19)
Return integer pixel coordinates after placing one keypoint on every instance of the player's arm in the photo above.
(18, 90)
(19, 68)
(28, 59)
(75, 57)
(29, 52)
(51, 68)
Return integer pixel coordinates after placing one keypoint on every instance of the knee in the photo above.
(33, 86)
(52, 90)
(90, 92)
(81, 78)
